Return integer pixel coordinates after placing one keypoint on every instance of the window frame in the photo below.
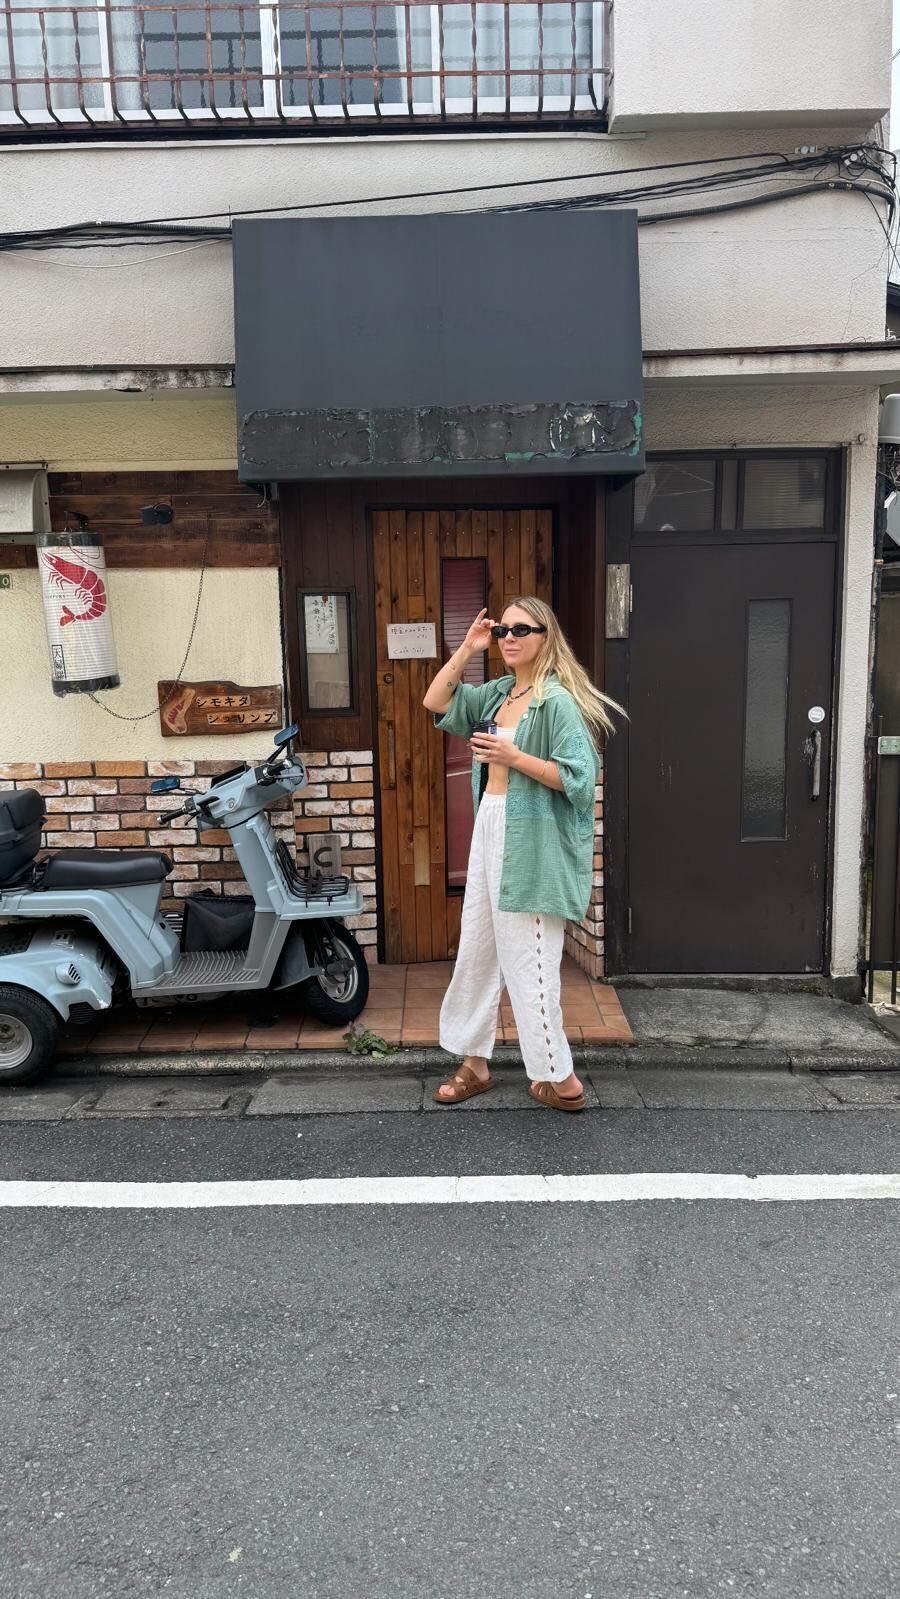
(718, 534)
(325, 713)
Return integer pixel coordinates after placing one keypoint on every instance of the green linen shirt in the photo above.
(549, 845)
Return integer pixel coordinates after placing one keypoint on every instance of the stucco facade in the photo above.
(803, 271)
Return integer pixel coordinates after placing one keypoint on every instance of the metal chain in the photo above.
(145, 716)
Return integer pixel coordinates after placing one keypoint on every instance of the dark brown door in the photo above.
(731, 673)
(432, 566)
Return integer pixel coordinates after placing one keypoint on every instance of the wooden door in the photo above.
(421, 911)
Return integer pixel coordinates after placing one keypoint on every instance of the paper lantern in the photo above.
(76, 612)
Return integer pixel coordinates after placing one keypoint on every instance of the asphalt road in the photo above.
(641, 1400)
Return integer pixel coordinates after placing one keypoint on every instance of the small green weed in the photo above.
(361, 1041)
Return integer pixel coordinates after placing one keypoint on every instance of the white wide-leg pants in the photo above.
(511, 947)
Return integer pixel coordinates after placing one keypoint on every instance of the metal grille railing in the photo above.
(80, 66)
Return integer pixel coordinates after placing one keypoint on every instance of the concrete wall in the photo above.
(744, 61)
(807, 270)
(238, 636)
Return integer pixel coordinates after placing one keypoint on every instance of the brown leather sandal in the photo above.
(546, 1094)
(467, 1085)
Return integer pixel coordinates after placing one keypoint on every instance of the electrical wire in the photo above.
(120, 266)
(867, 159)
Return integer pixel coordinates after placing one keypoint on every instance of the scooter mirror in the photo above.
(164, 785)
(286, 734)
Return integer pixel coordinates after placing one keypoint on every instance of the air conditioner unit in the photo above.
(24, 502)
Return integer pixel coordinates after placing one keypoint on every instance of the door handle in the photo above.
(391, 757)
(816, 789)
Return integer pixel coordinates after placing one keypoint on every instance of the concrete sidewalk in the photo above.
(234, 1095)
(673, 1027)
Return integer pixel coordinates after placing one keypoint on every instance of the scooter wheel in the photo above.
(340, 999)
(29, 1033)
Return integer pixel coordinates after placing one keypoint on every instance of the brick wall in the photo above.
(340, 799)
(109, 804)
(585, 942)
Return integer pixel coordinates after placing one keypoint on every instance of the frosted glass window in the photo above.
(784, 493)
(765, 719)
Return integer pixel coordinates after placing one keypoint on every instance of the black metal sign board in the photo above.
(434, 345)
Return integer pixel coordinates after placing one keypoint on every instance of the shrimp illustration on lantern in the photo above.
(76, 612)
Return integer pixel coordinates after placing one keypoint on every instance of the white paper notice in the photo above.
(411, 641)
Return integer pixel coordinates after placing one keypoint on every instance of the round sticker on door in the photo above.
(816, 713)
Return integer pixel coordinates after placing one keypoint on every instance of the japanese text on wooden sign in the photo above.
(217, 707)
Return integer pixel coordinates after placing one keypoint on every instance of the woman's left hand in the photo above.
(493, 750)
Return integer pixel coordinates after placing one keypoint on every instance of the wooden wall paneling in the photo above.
(598, 499)
(543, 556)
(415, 568)
(389, 898)
(400, 670)
(420, 674)
(447, 521)
(363, 580)
(463, 533)
(434, 742)
(479, 534)
(495, 582)
(244, 531)
(340, 534)
(510, 556)
(454, 923)
(527, 552)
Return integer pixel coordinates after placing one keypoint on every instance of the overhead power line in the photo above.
(869, 170)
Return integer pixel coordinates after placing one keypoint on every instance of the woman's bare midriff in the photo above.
(510, 716)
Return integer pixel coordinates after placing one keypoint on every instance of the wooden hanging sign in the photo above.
(218, 707)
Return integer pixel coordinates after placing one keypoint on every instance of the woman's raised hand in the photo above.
(479, 635)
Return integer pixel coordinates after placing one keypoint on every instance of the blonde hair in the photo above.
(558, 656)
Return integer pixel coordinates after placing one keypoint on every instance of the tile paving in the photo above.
(404, 1006)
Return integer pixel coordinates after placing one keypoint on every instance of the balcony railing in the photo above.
(245, 62)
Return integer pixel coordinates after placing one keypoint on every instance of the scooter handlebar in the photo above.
(191, 805)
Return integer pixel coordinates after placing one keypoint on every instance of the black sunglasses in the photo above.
(518, 630)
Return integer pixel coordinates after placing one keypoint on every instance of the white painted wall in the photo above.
(727, 62)
(238, 636)
(810, 270)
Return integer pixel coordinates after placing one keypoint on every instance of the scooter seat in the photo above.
(103, 868)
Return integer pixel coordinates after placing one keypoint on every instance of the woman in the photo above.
(531, 859)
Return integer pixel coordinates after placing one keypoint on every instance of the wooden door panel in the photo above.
(387, 753)
(421, 918)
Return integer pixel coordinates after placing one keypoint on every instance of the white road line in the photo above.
(593, 1188)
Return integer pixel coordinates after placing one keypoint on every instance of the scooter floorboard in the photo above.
(206, 970)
